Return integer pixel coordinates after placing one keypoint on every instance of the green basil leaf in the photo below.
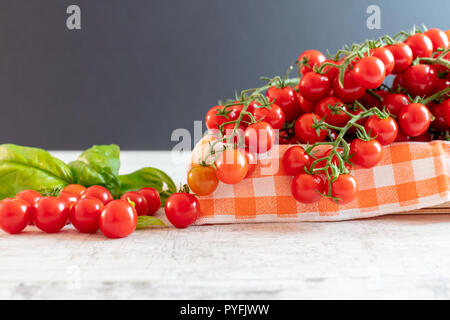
(148, 221)
(30, 168)
(99, 165)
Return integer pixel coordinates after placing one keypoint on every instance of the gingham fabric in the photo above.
(411, 175)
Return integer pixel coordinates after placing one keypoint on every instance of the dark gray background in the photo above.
(139, 69)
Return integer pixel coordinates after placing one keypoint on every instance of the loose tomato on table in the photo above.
(295, 159)
(14, 215)
(76, 189)
(403, 57)
(344, 188)
(420, 80)
(308, 59)
(259, 137)
(385, 55)
(307, 188)
(366, 154)
(85, 215)
(182, 209)
(140, 203)
(118, 219)
(335, 118)
(286, 98)
(231, 166)
(438, 38)
(100, 193)
(394, 102)
(414, 119)
(69, 198)
(50, 214)
(351, 91)
(153, 199)
(273, 115)
(369, 72)
(314, 86)
(385, 129)
(420, 45)
(202, 180)
(304, 130)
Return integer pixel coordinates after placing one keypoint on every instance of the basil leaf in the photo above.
(98, 165)
(30, 168)
(147, 221)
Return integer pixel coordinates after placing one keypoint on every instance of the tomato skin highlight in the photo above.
(182, 209)
(420, 45)
(286, 98)
(384, 130)
(304, 131)
(394, 102)
(153, 199)
(76, 189)
(118, 219)
(338, 119)
(259, 137)
(295, 159)
(14, 215)
(100, 193)
(369, 72)
(140, 203)
(85, 215)
(414, 119)
(438, 38)
(344, 188)
(231, 166)
(50, 214)
(420, 80)
(403, 57)
(69, 198)
(351, 91)
(314, 86)
(202, 180)
(306, 187)
(366, 154)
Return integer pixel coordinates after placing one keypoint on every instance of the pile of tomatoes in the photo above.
(88, 209)
(341, 108)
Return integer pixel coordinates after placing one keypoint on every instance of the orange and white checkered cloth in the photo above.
(411, 175)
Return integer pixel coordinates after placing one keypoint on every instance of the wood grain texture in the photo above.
(386, 257)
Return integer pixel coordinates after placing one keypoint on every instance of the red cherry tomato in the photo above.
(438, 38)
(384, 130)
(76, 189)
(14, 215)
(334, 161)
(403, 56)
(366, 154)
(294, 160)
(329, 71)
(306, 188)
(438, 111)
(344, 188)
(401, 137)
(69, 198)
(228, 131)
(356, 110)
(153, 199)
(286, 98)
(182, 209)
(51, 214)
(251, 160)
(385, 55)
(213, 120)
(118, 219)
(397, 84)
(306, 105)
(237, 109)
(140, 203)
(369, 72)
(394, 102)
(85, 215)
(420, 45)
(414, 119)
(202, 180)
(446, 107)
(420, 80)
(98, 192)
(29, 196)
(231, 166)
(304, 129)
(310, 58)
(323, 110)
(273, 116)
(424, 137)
(442, 84)
(351, 90)
(259, 137)
(314, 86)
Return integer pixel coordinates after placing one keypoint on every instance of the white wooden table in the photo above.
(387, 257)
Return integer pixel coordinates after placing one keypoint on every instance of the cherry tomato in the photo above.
(323, 110)
(356, 110)
(351, 90)
(29, 196)
(51, 214)
(69, 198)
(344, 188)
(403, 57)
(394, 102)
(14, 215)
(228, 130)
(306, 105)
(384, 130)
(424, 137)
(251, 160)
(304, 129)
(442, 84)
(438, 111)
(420, 80)
(369, 72)
(85, 214)
(294, 160)
(273, 116)
(118, 219)
(438, 38)
(446, 107)
(76, 189)
(420, 45)
(366, 154)
(401, 137)
(98, 192)
(307, 188)
(329, 71)
(153, 199)
(140, 202)
(310, 58)
(334, 161)
(213, 120)
(286, 98)
(182, 209)
(202, 180)
(385, 55)
(397, 84)
(231, 166)
(314, 86)
(414, 119)
(259, 137)
(237, 109)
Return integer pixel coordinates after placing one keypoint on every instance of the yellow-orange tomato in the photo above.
(232, 166)
(202, 180)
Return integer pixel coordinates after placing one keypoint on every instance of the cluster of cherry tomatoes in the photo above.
(341, 104)
(88, 209)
